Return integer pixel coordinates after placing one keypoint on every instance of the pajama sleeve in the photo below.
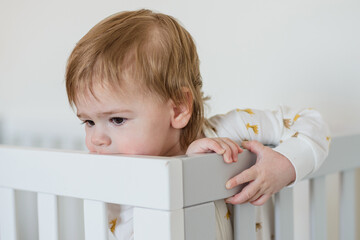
(300, 135)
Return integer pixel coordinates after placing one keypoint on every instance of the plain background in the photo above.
(253, 53)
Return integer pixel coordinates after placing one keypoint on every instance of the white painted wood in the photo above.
(95, 220)
(8, 230)
(197, 179)
(244, 222)
(348, 219)
(158, 224)
(284, 214)
(71, 218)
(302, 211)
(318, 203)
(200, 222)
(161, 181)
(342, 156)
(48, 216)
(72, 174)
(333, 206)
(27, 215)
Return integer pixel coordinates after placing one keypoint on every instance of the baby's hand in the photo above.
(224, 146)
(270, 174)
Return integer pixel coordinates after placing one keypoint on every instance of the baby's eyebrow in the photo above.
(80, 115)
(119, 111)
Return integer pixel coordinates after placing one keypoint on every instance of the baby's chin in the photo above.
(123, 153)
(106, 153)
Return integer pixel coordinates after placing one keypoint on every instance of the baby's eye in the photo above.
(118, 120)
(89, 123)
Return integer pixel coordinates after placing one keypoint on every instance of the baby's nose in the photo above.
(100, 139)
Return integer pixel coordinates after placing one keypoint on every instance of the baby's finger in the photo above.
(253, 146)
(261, 200)
(257, 195)
(228, 151)
(213, 145)
(245, 195)
(244, 177)
(235, 148)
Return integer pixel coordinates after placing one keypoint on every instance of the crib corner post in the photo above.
(200, 221)
(158, 224)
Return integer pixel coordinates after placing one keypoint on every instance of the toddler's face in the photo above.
(128, 122)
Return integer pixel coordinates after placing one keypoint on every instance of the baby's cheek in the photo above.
(127, 147)
(89, 146)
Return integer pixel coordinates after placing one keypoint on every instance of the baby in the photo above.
(134, 79)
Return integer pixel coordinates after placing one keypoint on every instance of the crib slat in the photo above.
(284, 214)
(158, 224)
(200, 221)
(7, 214)
(244, 222)
(318, 214)
(71, 218)
(95, 220)
(48, 217)
(348, 205)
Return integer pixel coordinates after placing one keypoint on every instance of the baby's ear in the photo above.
(181, 113)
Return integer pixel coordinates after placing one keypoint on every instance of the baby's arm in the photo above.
(301, 139)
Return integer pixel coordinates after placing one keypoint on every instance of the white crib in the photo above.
(173, 197)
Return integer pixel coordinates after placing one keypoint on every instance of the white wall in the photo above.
(253, 53)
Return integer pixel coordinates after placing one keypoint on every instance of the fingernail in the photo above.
(228, 200)
(222, 151)
(228, 185)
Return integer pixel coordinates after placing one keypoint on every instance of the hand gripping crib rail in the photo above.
(173, 197)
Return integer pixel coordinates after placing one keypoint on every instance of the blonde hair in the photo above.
(153, 48)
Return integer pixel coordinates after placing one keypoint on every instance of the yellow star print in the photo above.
(228, 214)
(287, 122)
(258, 227)
(255, 128)
(295, 134)
(248, 110)
(113, 224)
(296, 117)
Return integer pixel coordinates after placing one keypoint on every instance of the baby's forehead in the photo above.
(125, 90)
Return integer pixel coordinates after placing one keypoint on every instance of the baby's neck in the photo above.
(175, 150)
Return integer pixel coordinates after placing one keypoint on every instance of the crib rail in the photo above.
(96, 177)
(153, 184)
(172, 197)
(343, 159)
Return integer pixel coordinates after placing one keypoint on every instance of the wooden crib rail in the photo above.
(344, 159)
(117, 178)
(102, 178)
(156, 186)
(173, 197)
